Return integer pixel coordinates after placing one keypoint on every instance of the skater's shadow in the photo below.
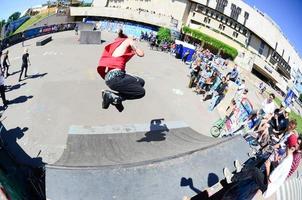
(9, 141)
(36, 76)
(14, 87)
(157, 131)
(20, 99)
(16, 72)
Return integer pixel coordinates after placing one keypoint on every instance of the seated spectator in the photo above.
(204, 76)
(262, 88)
(267, 110)
(265, 183)
(233, 74)
(213, 87)
(268, 183)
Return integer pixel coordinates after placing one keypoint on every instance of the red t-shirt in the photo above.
(110, 62)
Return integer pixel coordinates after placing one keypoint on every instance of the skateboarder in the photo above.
(112, 68)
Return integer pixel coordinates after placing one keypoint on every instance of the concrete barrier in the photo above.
(90, 37)
(44, 41)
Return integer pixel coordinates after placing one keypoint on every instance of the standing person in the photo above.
(2, 89)
(23, 39)
(219, 93)
(186, 55)
(25, 63)
(233, 74)
(112, 68)
(6, 63)
(76, 29)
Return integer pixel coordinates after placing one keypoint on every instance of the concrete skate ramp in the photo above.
(131, 162)
(90, 37)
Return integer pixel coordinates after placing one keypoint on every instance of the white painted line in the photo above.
(127, 128)
(178, 92)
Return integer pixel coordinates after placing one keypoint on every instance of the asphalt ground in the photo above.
(65, 90)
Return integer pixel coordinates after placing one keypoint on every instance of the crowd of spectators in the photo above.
(271, 133)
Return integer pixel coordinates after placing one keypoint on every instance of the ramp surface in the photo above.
(126, 162)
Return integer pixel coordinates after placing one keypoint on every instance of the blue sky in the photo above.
(285, 13)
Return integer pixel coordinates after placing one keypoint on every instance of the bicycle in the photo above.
(218, 127)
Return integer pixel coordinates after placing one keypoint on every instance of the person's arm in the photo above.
(267, 168)
(28, 60)
(137, 51)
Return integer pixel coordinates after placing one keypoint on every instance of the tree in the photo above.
(2, 23)
(13, 17)
(164, 34)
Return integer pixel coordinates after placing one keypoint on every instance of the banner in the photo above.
(289, 97)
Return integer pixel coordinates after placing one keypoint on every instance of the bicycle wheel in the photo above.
(215, 131)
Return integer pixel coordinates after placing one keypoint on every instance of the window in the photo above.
(221, 4)
(235, 34)
(261, 48)
(244, 32)
(193, 14)
(207, 20)
(199, 8)
(221, 27)
(235, 11)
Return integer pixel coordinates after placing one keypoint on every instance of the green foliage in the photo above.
(164, 34)
(300, 97)
(33, 20)
(85, 4)
(2, 23)
(14, 16)
(231, 51)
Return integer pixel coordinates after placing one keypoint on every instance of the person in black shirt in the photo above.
(25, 62)
(6, 63)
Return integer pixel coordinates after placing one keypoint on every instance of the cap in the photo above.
(292, 141)
(287, 110)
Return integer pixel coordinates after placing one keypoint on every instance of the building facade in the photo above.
(262, 47)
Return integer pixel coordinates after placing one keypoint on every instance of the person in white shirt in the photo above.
(2, 89)
(269, 105)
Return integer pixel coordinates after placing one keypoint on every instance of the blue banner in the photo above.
(289, 97)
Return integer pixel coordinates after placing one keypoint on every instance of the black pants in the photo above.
(6, 66)
(254, 174)
(2, 93)
(24, 67)
(128, 87)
